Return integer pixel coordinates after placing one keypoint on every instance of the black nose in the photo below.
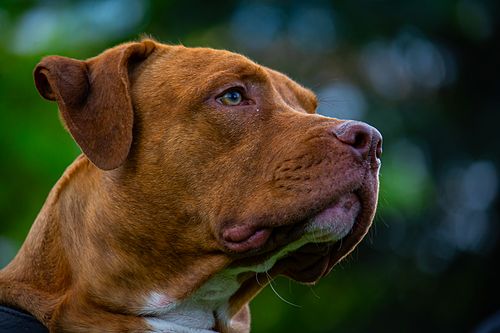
(363, 138)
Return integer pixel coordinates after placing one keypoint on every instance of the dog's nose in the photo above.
(363, 138)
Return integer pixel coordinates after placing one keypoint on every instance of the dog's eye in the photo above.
(231, 98)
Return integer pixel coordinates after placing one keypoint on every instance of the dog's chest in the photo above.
(199, 312)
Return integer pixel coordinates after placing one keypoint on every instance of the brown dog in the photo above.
(204, 174)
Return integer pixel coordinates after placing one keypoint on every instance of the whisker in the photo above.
(257, 279)
(269, 279)
(314, 293)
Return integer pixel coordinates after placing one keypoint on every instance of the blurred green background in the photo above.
(425, 73)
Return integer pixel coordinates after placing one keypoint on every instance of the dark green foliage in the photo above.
(423, 72)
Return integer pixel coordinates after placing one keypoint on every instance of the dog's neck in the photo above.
(212, 304)
(200, 294)
(117, 271)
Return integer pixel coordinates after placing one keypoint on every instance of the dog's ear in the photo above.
(94, 99)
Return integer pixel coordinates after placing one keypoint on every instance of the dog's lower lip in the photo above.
(258, 240)
(316, 265)
(314, 260)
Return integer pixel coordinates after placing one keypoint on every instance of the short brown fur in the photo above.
(166, 170)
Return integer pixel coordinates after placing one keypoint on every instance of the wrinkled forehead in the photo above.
(210, 61)
(210, 68)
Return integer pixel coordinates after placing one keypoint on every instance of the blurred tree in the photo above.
(425, 73)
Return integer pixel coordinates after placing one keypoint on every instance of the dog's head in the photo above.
(219, 157)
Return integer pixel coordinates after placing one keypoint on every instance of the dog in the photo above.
(203, 175)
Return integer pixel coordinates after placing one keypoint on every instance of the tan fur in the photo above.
(166, 170)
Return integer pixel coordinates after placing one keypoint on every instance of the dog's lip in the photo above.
(313, 260)
(252, 245)
(340, 204)
(327, 254)
(336, 220)
(260, 239)
(242, 238)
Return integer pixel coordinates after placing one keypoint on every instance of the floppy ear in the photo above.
(94, 99)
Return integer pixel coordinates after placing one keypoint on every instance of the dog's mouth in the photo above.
(307, 250)
(331, 223)
(323, 235)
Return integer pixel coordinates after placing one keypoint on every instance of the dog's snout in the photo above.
(363, 138)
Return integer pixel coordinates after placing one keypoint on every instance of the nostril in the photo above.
(361, 140)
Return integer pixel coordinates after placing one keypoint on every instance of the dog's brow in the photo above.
(292, 92)
(312, 100)
(249, 72)
(240, 73)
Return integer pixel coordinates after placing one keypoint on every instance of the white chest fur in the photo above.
(198, 313)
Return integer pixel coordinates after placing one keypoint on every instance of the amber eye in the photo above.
(231, 98)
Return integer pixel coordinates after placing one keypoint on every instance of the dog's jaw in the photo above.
(210, 305)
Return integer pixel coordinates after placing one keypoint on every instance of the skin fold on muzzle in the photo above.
(203, 175)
